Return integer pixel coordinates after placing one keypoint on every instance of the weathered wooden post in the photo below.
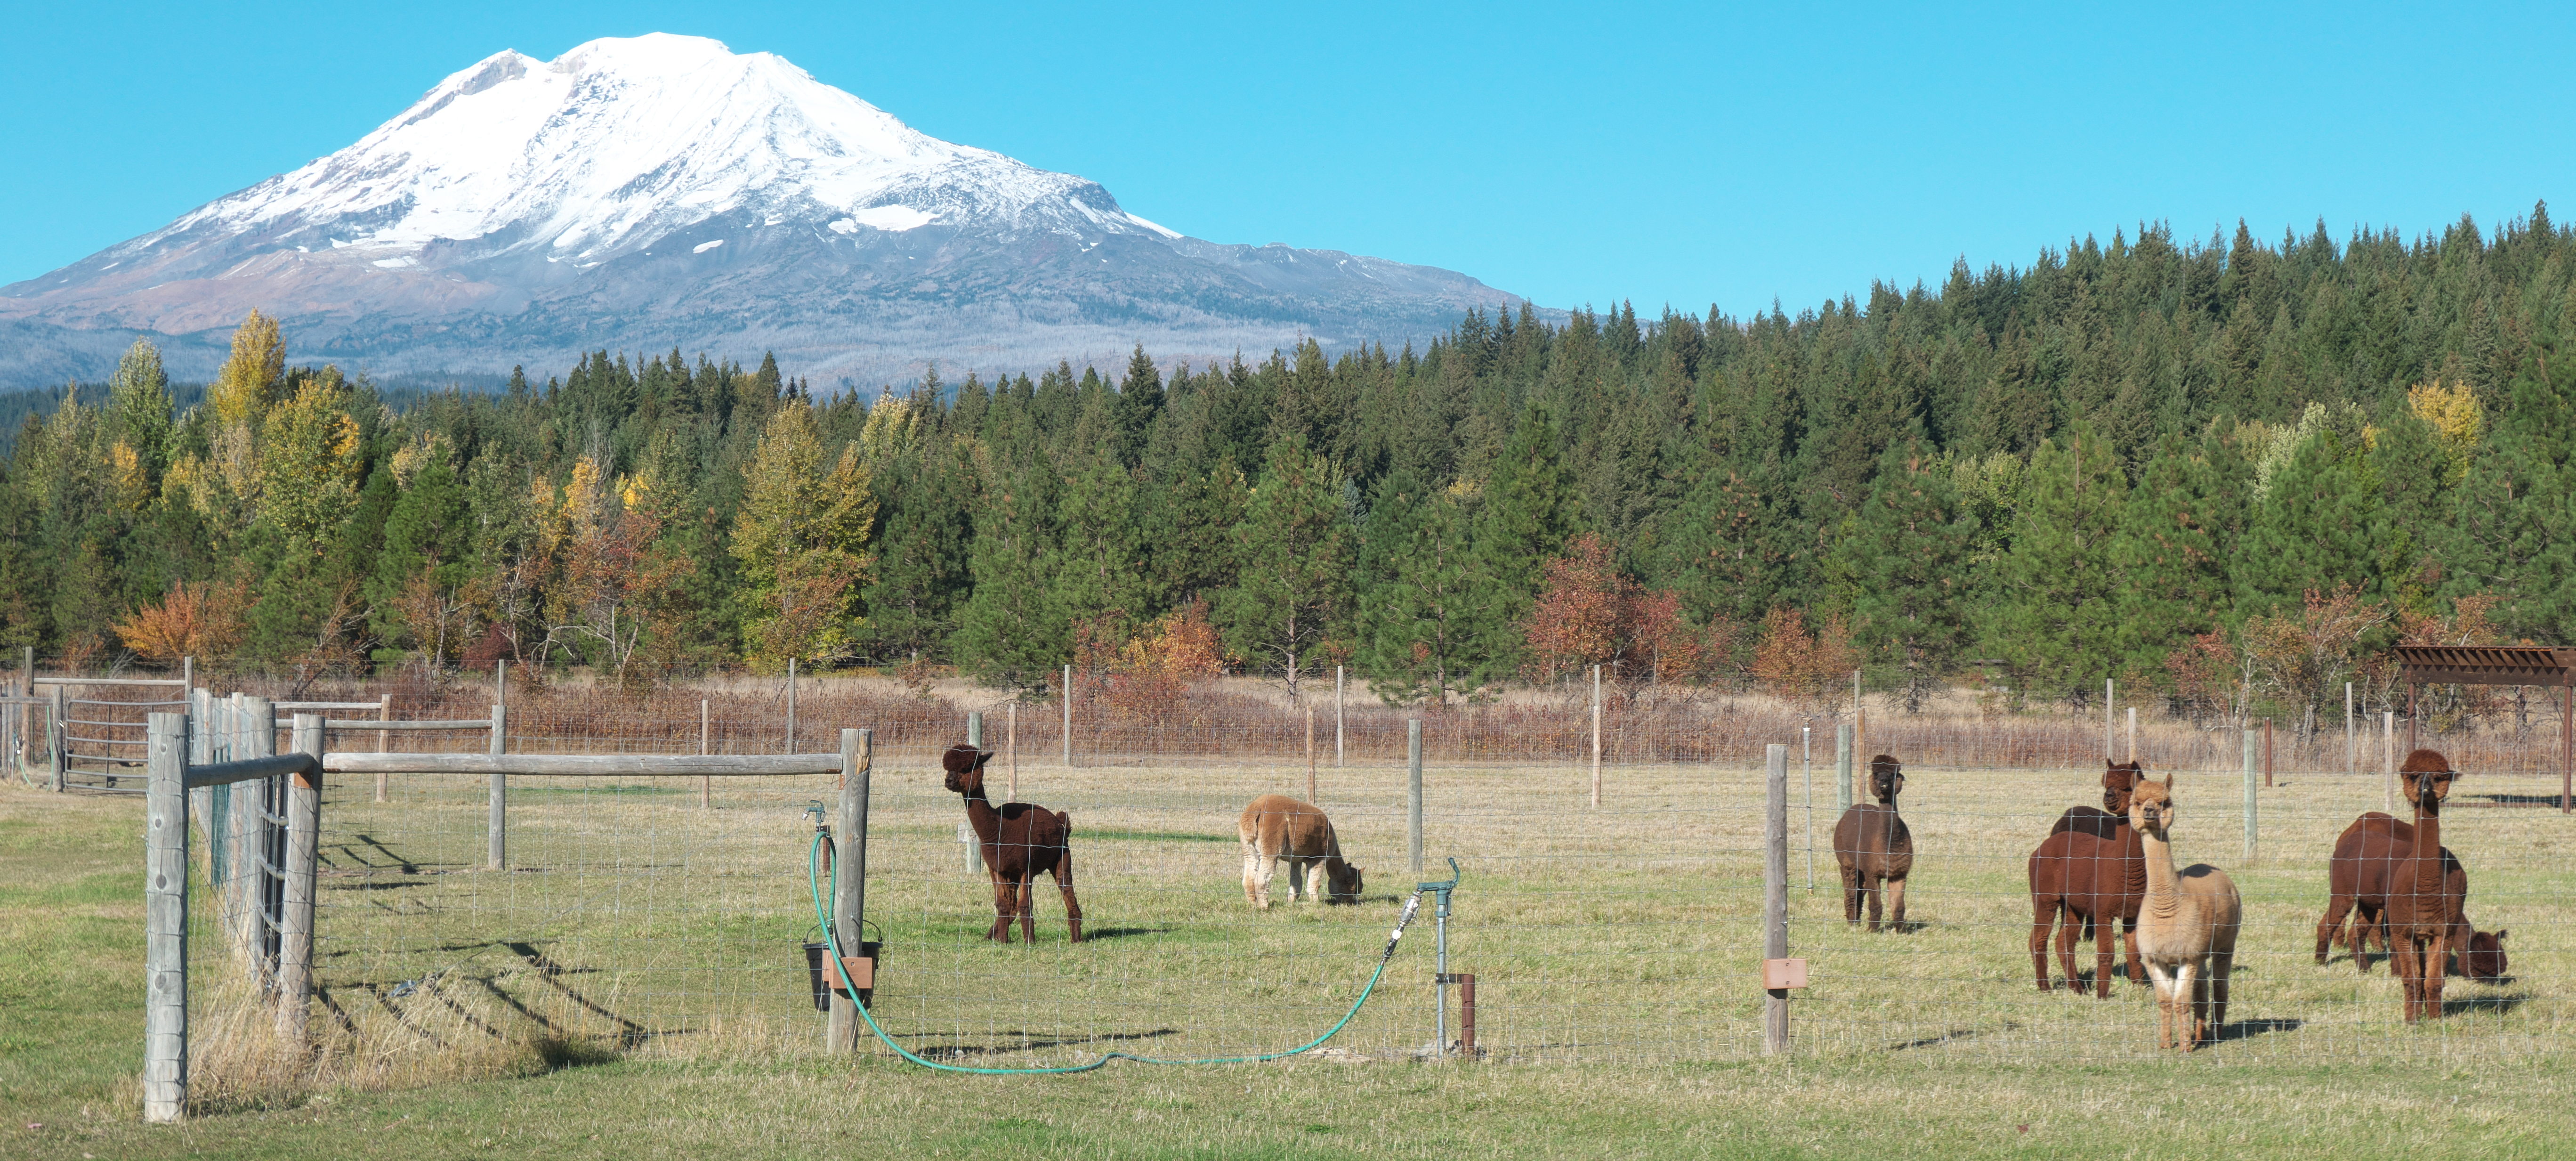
(1413, 793)
(1337, 716)
(1807, 775)
(1068, 717)
(303, 866)
(57, 736)
(975, 729)
(2253, 739)
(1011, 742)
(791, 707)
(1310, 753)
(1843, 747)
(165, 919)
(1596, 737)
(706, 782)
(2388, 760)
(850, 884)
(1775, 897)
(2133, 733)
(255, 736)
(384, 713)
(496, 840)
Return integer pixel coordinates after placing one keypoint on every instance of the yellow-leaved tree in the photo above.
(223, 484)
(307, 478)
(802, 538)
(2457, 420)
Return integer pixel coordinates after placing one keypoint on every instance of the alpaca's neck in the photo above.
(2161, 876)
(981, 815)
(2427, 850)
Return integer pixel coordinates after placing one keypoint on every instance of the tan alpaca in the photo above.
(1277, 827)
(2187, 927)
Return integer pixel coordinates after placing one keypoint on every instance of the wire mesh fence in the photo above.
(672, 914)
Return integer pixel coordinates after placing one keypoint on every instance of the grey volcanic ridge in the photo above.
(660, 192)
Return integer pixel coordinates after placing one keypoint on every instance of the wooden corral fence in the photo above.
(2422, 665)
(276, 828)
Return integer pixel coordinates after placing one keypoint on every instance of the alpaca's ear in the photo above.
(1900, 782)
(2499, 936)
(984, 757)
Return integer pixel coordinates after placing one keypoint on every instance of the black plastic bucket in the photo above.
(819, 972)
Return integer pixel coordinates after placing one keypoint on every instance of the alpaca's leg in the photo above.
(2070, 931)
(2433, 970)
(1870, 881)
(2222, 968)
(1252, 885)
(2401, 959)
(2106, 937)
(2366, 922)
(1896, 902)
(1004, 895)
(1315, 881)
(1064, 885)
(1269, 869)
(2129, 939)
(2164, 1005)
(2193, 997)
(2043, 913)
(1028, 905)
(2332, 925)
(1851, 899)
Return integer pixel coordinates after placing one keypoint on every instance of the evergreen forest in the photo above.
(2232, 470)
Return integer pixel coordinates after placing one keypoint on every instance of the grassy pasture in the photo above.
(644, 952)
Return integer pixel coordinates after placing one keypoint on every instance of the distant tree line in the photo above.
(2229, 471)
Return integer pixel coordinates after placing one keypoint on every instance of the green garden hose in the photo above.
(814, 880)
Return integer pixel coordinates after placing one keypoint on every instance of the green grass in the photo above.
(661, 1012)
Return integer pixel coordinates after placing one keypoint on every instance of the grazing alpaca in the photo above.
(1277, 827)
(1874, 847)
(2484, 961)
(1020, 842)
(2420, 902)
(2087, 878)
(2187, 927)
(2365, 855)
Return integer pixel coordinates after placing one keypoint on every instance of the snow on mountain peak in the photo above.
(620, 142)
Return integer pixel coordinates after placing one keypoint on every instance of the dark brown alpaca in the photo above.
(1020, 842)
(2087, 878)
(2366, 855)
(1874, 847)
(2420, 902)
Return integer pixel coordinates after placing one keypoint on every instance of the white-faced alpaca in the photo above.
(1276, 828)
(2187, 927)
(1874, 847)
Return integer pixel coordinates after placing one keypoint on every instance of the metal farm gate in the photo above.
(95, 726)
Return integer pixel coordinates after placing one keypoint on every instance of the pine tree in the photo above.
(2056, 615)
(1906, 551)
(1525, 515)
(1417, 619)
(802, 539)
(2173, 554)
(1292, 587)
(1011, 631)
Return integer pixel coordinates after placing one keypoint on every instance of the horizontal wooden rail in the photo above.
(619, 765)
(248, 769)
(286, 706)
(109, 681)
(364, 724)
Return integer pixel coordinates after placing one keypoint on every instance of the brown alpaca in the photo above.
(2187, 927)
(2087, 878)
(1020, 842)
(1277, 827)
(2420, 903)
(2485, 960)
(1874, 847)
(2365, 856)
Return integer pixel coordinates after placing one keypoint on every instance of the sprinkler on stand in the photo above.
(1441, 977)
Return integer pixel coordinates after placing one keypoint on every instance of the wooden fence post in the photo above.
(496, 840)
(1337, 716)
(2252, 740)
(384, 713)
(1775, 893)
(706, 782)
(1844, 748)
(2388, 760)
(1596, 737)
(165, 920)
(849, 882)
(791, 707)
(303, 865)
(1310, 754)
(265, 918)
(1011, 742)
(975, 729)
(1413, 793)
(1068, 717)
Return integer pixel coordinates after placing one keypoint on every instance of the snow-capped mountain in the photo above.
(664, 191)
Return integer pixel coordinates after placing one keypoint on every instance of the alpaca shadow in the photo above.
(2497, 1004)
(2084, 980)
(1098, 933)
(1029, 1044)
(1952, 1036)
(2249, 1029)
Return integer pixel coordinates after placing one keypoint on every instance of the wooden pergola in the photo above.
(2420, 665)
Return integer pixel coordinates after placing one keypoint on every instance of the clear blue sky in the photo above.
(1576, 153)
